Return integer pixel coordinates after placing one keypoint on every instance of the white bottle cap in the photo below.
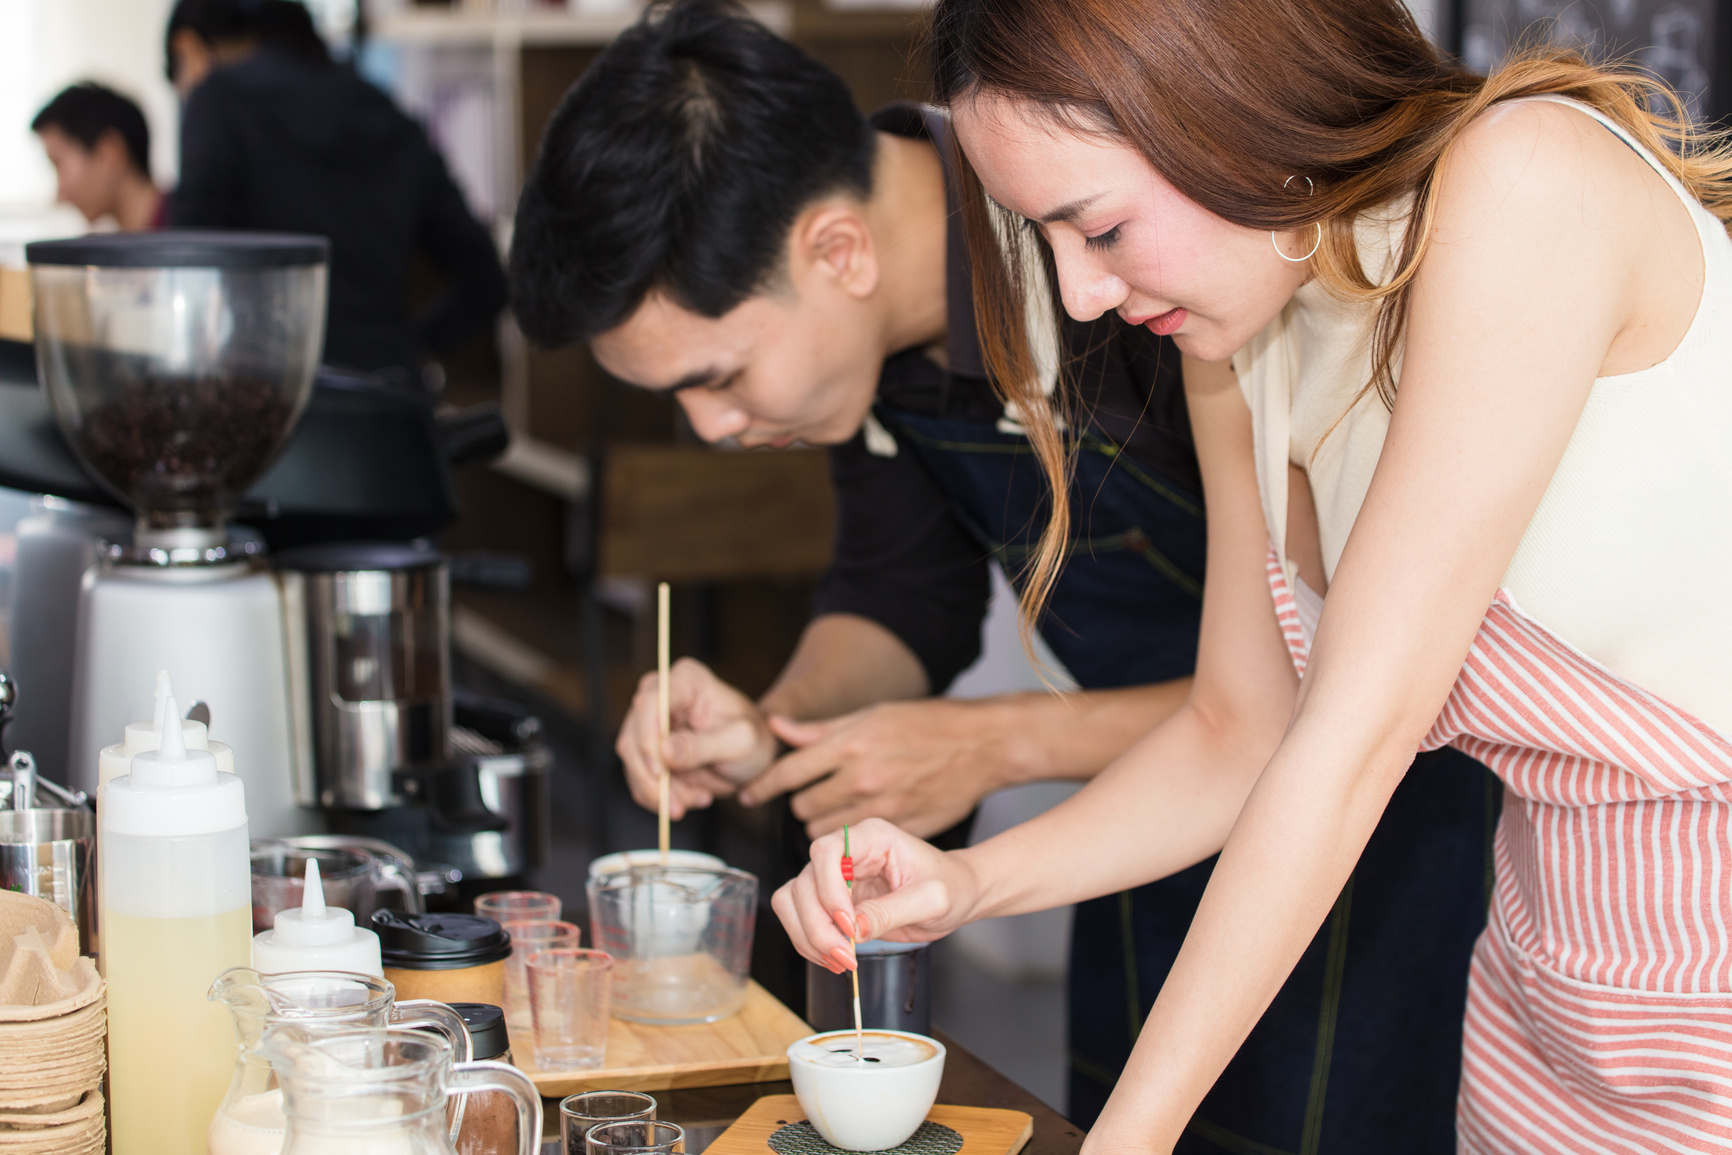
(316, 938)
(173, 790)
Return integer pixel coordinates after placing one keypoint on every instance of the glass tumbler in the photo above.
(503, 906)
(682, 937)
(568, 998)
(579, 1113)
(527, 937)
(640, 1137)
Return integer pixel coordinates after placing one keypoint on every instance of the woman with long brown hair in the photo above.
(1458, 357)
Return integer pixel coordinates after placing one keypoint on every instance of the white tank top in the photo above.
(1629, 556)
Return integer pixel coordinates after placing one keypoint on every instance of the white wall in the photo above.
(46, 45)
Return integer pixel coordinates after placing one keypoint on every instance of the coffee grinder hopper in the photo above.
(177, 364)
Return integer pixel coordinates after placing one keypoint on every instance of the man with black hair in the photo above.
(99, 144)
(277, 136)
(714, 217)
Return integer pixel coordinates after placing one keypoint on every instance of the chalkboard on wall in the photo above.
(1678, 40)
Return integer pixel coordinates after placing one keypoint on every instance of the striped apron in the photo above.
(1599, 1013)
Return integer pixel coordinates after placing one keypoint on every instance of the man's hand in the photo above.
(921, 765)
(719, 739)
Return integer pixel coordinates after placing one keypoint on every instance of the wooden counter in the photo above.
(705, 1112)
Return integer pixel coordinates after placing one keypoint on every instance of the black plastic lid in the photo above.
(183, 249)
(356, 556)
(439, 942)
(486, 1024)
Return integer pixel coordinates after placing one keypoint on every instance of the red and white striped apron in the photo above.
(1599, 1013)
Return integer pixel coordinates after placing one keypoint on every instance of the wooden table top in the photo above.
(705, 1112)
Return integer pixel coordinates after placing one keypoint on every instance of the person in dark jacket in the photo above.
(99, 144)
(276, 136)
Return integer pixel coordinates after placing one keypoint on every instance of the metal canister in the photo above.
(378, 668)
(51, 854)
(895, 990)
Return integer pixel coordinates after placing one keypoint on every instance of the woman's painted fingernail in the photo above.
(846, 923)
(846, 959)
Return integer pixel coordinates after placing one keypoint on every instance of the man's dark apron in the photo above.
(1361, 1050)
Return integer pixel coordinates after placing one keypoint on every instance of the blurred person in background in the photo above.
(275, 135)
(99, 144)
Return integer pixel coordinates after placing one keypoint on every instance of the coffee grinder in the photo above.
(177, 364)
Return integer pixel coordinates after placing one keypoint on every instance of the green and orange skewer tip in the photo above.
(848, 879)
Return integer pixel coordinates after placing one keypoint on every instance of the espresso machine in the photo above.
(177, 364)
(181, 369)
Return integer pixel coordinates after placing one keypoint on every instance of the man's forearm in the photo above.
(1076, 735)
(843, 663)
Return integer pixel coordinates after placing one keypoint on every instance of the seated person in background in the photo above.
(714, 216)
(99, 144)
(277, 136)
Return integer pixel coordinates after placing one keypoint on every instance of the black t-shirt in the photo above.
(902, 557)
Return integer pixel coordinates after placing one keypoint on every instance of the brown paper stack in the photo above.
(53, 1034)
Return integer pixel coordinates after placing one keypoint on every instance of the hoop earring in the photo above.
(1299, 260)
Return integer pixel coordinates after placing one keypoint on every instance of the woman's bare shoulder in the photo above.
(1526, 155)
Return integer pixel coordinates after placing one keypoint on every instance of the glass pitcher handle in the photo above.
(468, 1078)
(431, 1015)
(392, 876)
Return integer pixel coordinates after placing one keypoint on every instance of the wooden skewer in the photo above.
(859, 1031)
(666, 715)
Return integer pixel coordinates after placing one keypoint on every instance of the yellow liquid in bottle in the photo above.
(171, 1051)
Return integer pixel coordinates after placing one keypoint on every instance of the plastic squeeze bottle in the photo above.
(316, 938)
(177, 913)
(113, 761)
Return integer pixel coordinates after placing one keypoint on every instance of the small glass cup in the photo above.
(569, 993)
(527, 937)
(578, 1113)
(503, 906)
(639, 1137)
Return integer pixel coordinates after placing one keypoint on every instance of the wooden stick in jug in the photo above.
(665, 716)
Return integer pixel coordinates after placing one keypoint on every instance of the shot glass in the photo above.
(569, 992)
(639, 1137)
(578, 1113)
(527, 937)
(503, 906)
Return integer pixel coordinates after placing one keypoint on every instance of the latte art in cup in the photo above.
(880, 1049)
(871, 1098)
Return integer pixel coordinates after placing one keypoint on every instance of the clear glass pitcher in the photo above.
(250, 1120)
(383, 1091)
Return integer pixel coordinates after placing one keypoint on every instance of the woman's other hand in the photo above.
(904, 890)
(719, 739)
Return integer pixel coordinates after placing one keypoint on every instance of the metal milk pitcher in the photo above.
(250, 1120)
(383, 1091)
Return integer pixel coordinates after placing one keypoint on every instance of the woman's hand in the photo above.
(719, 739)
(905, 890)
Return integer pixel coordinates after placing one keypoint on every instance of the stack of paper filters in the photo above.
(53, 1031)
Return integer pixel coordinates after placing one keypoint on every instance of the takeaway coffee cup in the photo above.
(868, 1099)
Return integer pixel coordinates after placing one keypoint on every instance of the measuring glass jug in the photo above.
(681, 939)
(383, 1091)
(250, 1120)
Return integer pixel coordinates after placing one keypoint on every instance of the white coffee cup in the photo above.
(871, 1105)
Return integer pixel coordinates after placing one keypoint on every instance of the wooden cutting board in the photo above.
(748, 1047)
(984, 1130)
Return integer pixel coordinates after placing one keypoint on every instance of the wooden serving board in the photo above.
(984, 1130)
(749, 1046)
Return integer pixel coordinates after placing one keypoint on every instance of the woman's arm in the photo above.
(1534, 275)
(1166, 804)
